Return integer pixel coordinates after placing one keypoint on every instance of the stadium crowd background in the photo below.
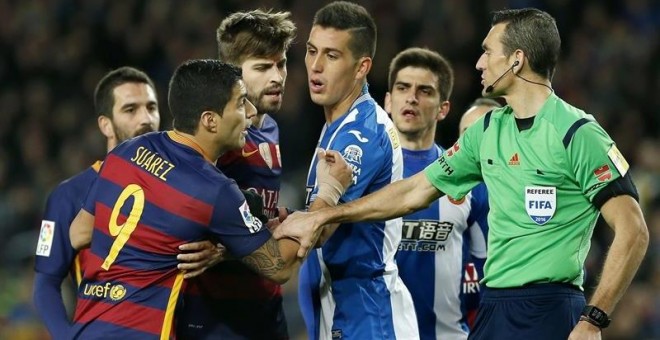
(52, 53)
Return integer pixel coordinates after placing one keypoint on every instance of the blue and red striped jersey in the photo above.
(225, 300)
(154, 193)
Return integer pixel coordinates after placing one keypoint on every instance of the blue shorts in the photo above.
(201, 318)
(309, 298)
(355, 308)
(539, 311)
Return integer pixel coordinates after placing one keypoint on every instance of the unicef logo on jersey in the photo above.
(540, 203)
(115, 292)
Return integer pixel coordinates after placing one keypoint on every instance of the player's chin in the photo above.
(318, 98)
(273, 106)
(407, 128)
(143, 131)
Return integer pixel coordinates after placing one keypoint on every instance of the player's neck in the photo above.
(111, 144)
(258, 120)
(333, 112)
(207, 147)
(422, 140)
(527, 99)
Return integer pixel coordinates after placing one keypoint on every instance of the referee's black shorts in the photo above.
(538, 311)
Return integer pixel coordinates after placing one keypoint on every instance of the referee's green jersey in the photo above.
(541, 182)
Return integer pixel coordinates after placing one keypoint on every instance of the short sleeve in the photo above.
(458, 169)
(234, 225)
(595, 159)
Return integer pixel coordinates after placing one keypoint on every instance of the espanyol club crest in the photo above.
(540, 203)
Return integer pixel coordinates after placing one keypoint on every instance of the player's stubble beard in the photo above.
(123, 135)
(260, 101)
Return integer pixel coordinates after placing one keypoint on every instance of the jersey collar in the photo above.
(549, 105)
(97, 166)
(181, 139)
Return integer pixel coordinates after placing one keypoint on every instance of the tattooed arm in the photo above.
(275, 259)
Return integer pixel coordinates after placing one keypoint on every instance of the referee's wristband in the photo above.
(595, 316)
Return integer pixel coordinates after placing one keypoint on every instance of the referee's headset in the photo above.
(491, 87)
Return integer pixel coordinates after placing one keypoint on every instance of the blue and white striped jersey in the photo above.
(435, 248)
(360, 293)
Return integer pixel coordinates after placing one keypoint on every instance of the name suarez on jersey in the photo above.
(152, 162)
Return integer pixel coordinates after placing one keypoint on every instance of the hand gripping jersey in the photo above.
(361, 294)
(154, 193)
(541, 182)
(54, 256)
(226, 299)
(436, 245)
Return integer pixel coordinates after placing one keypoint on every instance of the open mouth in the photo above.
(316, 85)
(409, 113)
(276, 92)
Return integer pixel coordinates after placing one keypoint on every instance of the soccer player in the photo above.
(226, 299)
(551, 170)
(360, 294)
(127, 106)
(158, 191)
(438, 241)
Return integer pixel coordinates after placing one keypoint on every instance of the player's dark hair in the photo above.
(255, 33)
(104, 98)
(197, 86)
(533, 31)
(347, 16)
(426, 59)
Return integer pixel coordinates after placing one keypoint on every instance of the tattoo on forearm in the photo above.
(266, 260)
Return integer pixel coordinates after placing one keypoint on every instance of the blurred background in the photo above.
(52, 53)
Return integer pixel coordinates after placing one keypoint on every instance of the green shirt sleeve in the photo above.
(458, 169)
(595, 159)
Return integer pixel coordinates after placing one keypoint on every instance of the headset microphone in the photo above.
(491, 87)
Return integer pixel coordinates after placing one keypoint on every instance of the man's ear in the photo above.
(364, 66)
(443, 111)
(105, 125)
(519, 61)
(388, 103)
(210, 120)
